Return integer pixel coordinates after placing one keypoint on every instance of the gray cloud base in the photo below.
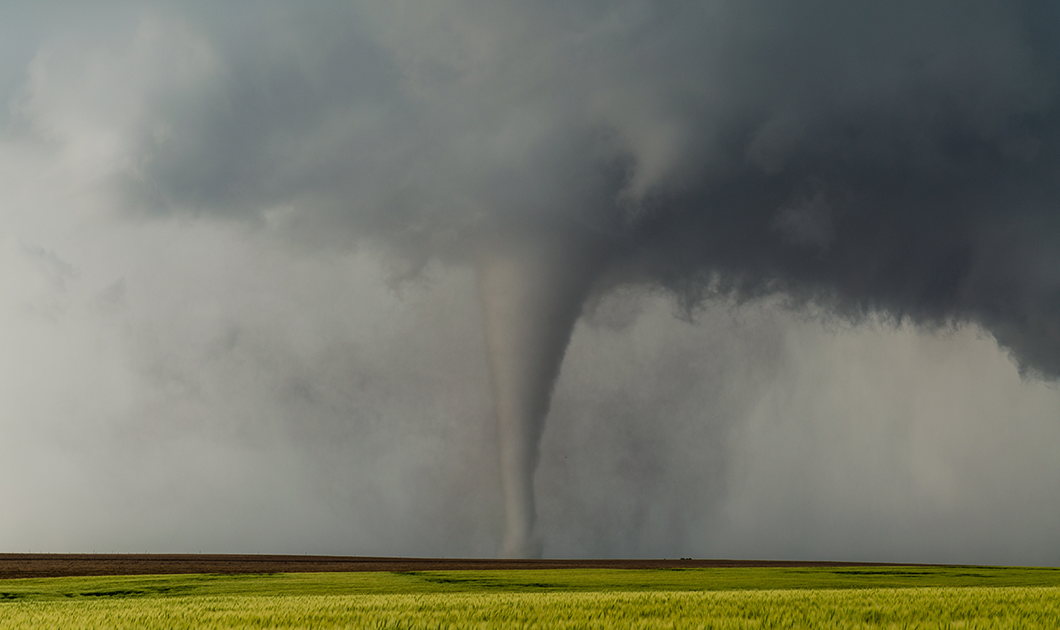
(897, 158)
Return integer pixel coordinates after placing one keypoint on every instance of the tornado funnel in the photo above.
(531, 287)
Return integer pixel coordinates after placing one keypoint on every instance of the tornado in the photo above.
(531, 285)
(893, 161)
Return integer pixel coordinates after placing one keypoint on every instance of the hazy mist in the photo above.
(796, 267)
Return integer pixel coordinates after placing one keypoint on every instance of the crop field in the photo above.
(887, 597)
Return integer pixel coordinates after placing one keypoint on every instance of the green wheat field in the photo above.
(841, 597)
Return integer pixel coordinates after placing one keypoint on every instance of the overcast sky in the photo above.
(237, 312)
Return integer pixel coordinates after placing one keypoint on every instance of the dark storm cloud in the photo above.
(897, 158)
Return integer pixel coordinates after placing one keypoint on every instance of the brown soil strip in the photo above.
(31, 565)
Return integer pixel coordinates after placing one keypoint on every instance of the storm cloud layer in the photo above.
(886, 164)
(898, 158)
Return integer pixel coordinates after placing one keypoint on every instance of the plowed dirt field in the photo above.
(30, 565)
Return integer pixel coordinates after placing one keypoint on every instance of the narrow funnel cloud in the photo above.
(531, 287)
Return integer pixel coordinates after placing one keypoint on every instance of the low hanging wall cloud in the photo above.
(898, 159)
